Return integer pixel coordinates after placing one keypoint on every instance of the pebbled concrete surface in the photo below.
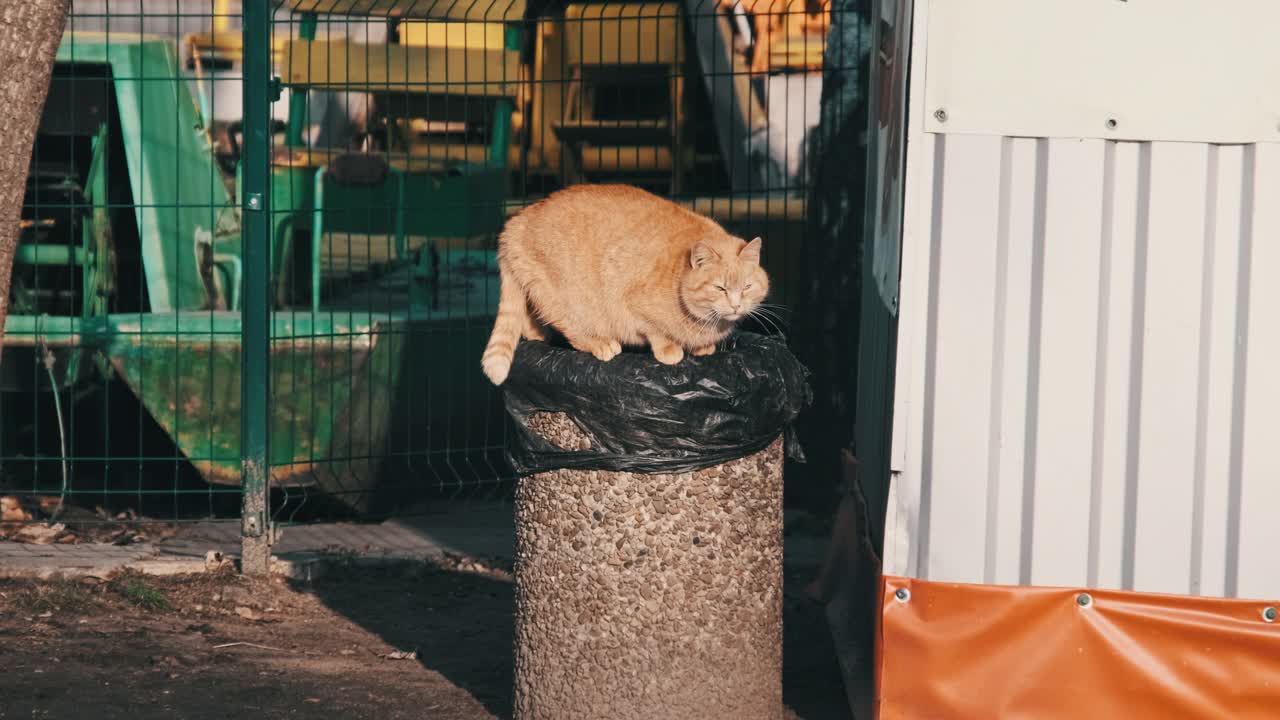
(650, 596)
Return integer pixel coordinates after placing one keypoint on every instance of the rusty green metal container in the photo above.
(152, 247)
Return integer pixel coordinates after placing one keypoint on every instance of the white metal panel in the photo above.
(1113, 389)
(1218, 353)
(1171, 238)
(1182, 70)
(1256, 538)
(956, 361)
(1087, 389)
(1060, 386)
(1008, 380)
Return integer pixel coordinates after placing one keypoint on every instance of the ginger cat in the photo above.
(613, 265)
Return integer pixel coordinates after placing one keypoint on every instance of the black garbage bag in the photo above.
(643, 416)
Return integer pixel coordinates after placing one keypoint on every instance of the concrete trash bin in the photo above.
(658, 593)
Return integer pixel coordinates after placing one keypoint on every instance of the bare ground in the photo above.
(206, 646)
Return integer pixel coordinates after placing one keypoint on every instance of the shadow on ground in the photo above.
(204, 646)
(461, 626)
(812, 685)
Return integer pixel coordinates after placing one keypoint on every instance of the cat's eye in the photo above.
(721, 288)
(746, 287)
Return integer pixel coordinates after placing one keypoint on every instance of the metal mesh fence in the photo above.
(117, 340)
(399, 137)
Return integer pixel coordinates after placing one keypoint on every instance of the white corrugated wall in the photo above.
(1088, 388)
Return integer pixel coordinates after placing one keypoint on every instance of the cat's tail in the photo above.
(512, 316)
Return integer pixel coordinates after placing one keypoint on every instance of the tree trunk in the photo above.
(30, 31)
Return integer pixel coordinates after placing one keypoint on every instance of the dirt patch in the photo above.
(201, 646)
(406, 641)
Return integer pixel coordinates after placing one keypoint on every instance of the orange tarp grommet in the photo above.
(982, 651)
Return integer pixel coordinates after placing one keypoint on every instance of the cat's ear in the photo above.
(702, 254)
(750, 252)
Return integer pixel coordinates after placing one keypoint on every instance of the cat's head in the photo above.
(724, 281)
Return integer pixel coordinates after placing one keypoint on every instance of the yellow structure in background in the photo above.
(227, 45)
(592, 67)
(606, 96)
(342, 65)
(221, 16)
(789, 34)
(491, 10)
(437, 136)
(221, 41)
(474, 35)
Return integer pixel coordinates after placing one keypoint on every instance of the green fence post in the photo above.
(500, 140)
(255, 306)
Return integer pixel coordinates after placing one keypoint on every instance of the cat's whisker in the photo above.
(781, 325)
(769, 316)
(709, 321)
(775, 308)
(781, 321)
(767, 309)
(766, 320)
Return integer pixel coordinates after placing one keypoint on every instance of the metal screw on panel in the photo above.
(1084, 600)
(1112, 123)
(902, 594)
(1269, 614)
(254, 201)
(940, 114)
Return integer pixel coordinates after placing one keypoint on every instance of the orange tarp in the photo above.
(981, 651)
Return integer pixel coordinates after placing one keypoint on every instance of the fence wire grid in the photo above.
(399, 137)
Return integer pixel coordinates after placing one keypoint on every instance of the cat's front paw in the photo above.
(703, 351)
(607, 350)
(668, 354)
